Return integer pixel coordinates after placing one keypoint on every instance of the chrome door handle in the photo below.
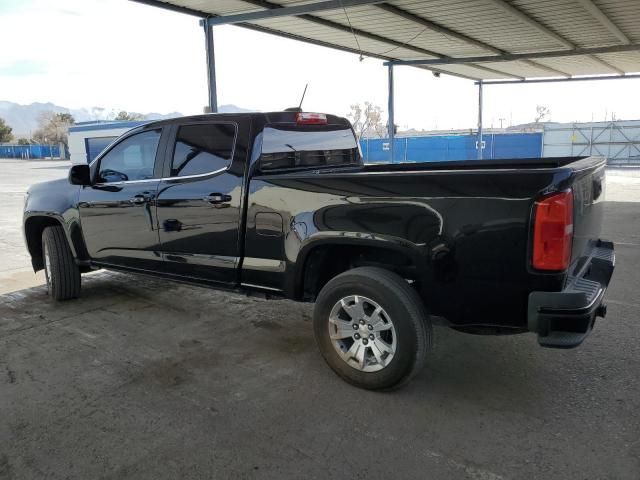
(217, 198)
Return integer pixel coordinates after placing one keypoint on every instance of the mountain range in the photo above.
(24, 118)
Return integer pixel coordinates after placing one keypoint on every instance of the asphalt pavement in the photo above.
(147, 379)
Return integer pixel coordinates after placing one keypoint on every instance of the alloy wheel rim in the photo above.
(362, 333)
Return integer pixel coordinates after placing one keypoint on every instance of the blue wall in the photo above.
(439, 148)
(29, 151)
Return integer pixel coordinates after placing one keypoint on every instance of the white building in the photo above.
(618, 140)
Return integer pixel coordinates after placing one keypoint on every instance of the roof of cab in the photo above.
(265, 117)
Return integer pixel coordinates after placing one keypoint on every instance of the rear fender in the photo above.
(295, 281)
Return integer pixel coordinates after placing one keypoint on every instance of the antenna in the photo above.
(299, 107)
(303, 94)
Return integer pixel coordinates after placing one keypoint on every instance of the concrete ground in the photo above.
(146, 379)
(17, 175)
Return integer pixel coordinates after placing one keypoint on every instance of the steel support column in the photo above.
(479, 142)
(211, 65)
(391, 124)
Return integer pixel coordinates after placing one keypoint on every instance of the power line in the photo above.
(352, 31)
(407, 42)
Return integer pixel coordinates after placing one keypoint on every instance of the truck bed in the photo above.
(544, 162)
(464, 227)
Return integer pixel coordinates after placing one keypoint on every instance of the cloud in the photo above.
(22, 68)
(7, 6)
(130, 56)
(66, 11)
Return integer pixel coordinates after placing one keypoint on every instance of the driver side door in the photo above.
(117, 211)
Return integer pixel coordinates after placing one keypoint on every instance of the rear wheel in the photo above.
(372, 328)
(60, 269)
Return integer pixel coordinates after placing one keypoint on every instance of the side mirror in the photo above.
(80, 175)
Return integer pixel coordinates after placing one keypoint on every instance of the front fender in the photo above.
(52, 203)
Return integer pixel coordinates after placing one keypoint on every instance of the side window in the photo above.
(203, 148)
(131, 159)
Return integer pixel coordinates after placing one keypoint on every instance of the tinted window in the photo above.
(293, 146)
(131, 159)
(202, 149)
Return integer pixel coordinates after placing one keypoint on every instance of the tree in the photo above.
(129, 116)
(23, 141)
(65, 117)
(53, 128)
(5, 132)
(367, 120)
(542, 113)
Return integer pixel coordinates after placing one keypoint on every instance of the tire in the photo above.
(379, 325)
(60, 269)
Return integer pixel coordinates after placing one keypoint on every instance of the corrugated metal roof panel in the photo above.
(399, 29)
(578, 65)
(629, 62)
(475, 28)
(220, 7)
(569, 19)
(482, 21)
(625, 14)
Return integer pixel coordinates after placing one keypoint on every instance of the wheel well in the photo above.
(33, 229)
(325, 262)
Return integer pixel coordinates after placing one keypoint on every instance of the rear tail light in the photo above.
(553, 231)
(304, 118)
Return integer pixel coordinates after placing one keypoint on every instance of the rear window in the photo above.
(292, 146)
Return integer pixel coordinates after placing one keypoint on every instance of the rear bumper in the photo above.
(564, 319)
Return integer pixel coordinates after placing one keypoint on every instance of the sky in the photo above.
(118, 54)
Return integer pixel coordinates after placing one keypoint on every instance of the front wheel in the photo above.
(372, 328)
(60, 269)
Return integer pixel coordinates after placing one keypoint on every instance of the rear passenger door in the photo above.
(199, 200)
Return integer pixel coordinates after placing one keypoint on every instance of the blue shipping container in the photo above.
(29, 151)
(440, 148)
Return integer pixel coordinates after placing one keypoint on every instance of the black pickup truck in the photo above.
(282, 204)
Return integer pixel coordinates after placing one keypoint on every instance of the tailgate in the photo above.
(588, 185)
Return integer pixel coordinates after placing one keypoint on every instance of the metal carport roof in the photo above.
(495, 40)
(550, 38)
